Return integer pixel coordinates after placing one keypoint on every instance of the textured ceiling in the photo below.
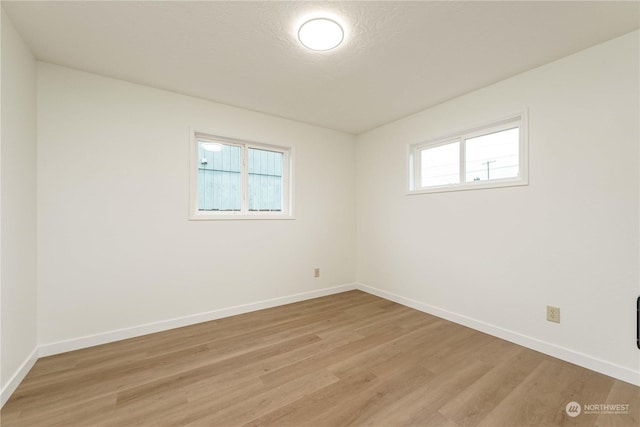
(398, 57)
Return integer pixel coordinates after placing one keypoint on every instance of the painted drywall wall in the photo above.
(116, 247)
(18, 301)
(499, 256)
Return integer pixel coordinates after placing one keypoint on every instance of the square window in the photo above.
(232, 179)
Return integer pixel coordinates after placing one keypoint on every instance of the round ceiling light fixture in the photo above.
(320, 34)
(211, 146)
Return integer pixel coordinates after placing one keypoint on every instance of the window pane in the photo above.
(265, 180)
(440, 165)
(493, 156)
(219, 178)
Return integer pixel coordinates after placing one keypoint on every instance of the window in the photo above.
(440, 165)
(233, 179)
(493, 155)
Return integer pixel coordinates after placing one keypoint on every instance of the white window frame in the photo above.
(508, 122)
(244, 212)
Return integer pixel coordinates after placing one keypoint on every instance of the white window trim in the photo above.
(414, 167)
(287, 183)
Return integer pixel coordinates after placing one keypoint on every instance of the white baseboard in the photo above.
(103, 338)
(607, 368)
(163, 325)
(18, 376)
(616, 371)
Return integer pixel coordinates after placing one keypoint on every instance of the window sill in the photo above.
(470, 186)
(199, 216)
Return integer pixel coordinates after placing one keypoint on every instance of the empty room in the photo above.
(288, 213)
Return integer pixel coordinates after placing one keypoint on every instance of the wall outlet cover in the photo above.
(553, 314)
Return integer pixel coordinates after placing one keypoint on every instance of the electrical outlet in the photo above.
(553, 314)
(316, 272)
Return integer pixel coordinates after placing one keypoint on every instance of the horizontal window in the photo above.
(492, 155)
(233, 179)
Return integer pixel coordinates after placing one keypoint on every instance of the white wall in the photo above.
(18, 212)
(495, 258)
(116, 249)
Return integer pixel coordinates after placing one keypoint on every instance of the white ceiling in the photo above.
(398, 57)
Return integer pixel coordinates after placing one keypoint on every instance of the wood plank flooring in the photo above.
(346, 359)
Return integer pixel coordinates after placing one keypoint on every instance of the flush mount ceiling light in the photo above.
(211, 146)
(320, 34)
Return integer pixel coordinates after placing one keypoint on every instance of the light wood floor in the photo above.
(346, 359)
